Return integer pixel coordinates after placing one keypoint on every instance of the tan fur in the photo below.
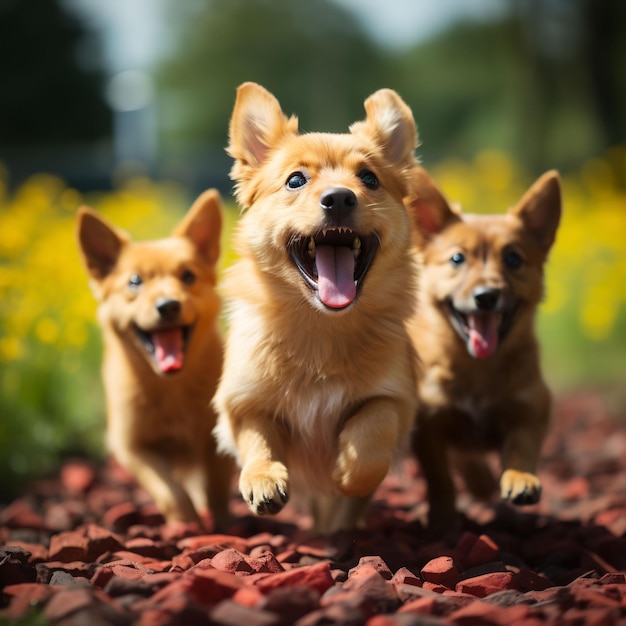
(474, 404)
(160, 424)
(314, 400)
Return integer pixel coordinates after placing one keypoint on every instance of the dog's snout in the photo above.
(486, 298)
(338, 202)
(168, 308)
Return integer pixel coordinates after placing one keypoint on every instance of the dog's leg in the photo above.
(154, 473)
(519, 482)
(477, 474)
(264, 479)
(367, 445)
(332, 513)
(430, 447)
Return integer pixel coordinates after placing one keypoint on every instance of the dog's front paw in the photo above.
(265, 487)
(520, 487)
(358, 475)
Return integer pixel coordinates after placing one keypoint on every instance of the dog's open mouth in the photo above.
(480, 331)
(334, 263)
(167, 346)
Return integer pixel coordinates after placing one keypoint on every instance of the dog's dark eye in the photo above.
(513, 260)
(188, 277)
(295, 180)
(135, 281)
(369, 179)
(458, 258)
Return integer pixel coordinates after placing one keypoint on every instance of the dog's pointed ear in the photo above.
(203, 225)
(99, 242)
(390, 121)
(428, 207)
(257, 124)
(540, 209)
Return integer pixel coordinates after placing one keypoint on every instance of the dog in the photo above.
(158, 311)
(480, 384)
(318, 389)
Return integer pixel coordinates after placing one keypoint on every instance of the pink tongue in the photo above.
(335, 276)
(168, 349)
(483, 335)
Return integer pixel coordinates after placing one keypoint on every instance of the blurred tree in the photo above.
(312, 55)
(47, 96)
(546, 82)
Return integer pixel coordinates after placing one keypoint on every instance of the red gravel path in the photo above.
(88, 548)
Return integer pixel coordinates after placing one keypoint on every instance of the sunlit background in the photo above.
(124, 105)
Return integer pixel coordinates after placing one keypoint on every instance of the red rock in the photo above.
(482, 586)
(465, 544)
(86, 543)
(77, 476)
(229, 613)
(219, 541)
(36, 551)
(362, 604)
(120, 517)
(377, 563)
(24, 597)
(315, 576)
(210, 586)
(616, 578)
(290, 555)
(75, 568)
(186, 560)
(248, 596)
(483, 550)
(20, 514)
(101, 577)
(231, 560)
(407, 593)
(205, 586)
(365, 579)
(405, 576)
(291, 603)
(15, 566)
(69, 602)
(484, 613)
(125, 555)
(423, 606)
(441, 571)
(265, 562)
(589, 617)
(433, 587)
(178, 609)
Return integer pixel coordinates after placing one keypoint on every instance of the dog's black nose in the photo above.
(486, 298)
(168, 308)
(337, 203)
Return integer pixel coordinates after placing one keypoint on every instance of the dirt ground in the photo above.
(88, 547)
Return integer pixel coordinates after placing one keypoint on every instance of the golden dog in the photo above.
(481, 386)
(318, 386)
(158, 311)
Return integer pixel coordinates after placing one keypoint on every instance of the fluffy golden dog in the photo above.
(158, 311)
(318, 386)
(480, 385)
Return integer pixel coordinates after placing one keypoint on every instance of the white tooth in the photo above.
(312, 248)
(357, 244)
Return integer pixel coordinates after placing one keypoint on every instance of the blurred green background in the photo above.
(124, 106)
